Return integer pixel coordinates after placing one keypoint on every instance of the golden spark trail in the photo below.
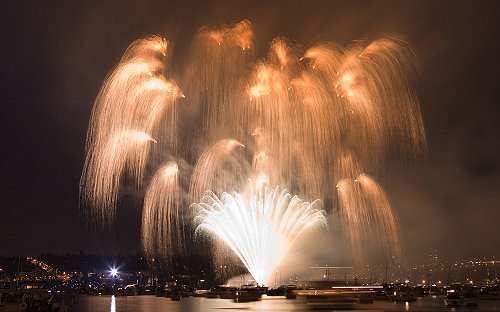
(367, 214)
(132, 100)
(217, 169)
(161, 215)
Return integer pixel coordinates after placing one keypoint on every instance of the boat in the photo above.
(381, 294)
(176, 293)
(435, 290)
(462, 296)
(290, 292)
(30, 296)
(279, 291)
(187, 292)
(404, 294)
(160, 291)
(489, 293)
(212, 294)
(453, 298)
(201, 292)
(176, 296)
(247, 295)
(421, 291)
(131, 290)
(228, 293)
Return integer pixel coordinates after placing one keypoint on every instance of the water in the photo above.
(275, 304)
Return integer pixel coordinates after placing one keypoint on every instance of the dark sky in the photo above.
(55, 55)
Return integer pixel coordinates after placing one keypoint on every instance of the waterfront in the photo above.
(150, 303)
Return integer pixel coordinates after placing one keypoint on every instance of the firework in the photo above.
(259, 227)
(161, 215)
(313, 120)
(126, 112)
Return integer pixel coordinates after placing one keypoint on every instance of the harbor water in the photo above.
(83, 303)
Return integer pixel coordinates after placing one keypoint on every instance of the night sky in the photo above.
(55, 56)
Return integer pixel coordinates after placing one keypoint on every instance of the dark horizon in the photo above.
(57, 55)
